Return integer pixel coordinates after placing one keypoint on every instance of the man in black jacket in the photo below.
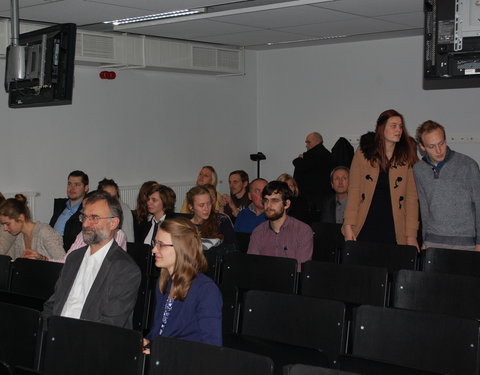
(312, 171)
(66, 211)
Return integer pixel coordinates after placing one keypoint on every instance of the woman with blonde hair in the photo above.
(16, 220)
(382, 201)
(189, 304)
(206, 176)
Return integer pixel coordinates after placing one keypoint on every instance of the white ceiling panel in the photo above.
(188, 30)
(261, 37)
(374, 8)
(5, 4)
(76, 11)
(160, 5)
(363, 18)
(415, 19)
(361, 25)
(285, 17)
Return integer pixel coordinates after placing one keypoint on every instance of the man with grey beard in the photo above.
(98, 282)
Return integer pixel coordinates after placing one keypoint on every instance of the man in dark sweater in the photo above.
(312, 171)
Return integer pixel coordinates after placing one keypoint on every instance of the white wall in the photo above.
(164, 126)
(143, 125)
(341, 89)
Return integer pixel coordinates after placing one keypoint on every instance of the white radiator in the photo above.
(128, 194)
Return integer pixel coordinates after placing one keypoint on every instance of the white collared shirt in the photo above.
(86, 275)
(149, 237)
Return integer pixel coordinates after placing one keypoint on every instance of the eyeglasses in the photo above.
(160, 244)
(93, 218)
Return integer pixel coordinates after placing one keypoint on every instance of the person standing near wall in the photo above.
(312, 171)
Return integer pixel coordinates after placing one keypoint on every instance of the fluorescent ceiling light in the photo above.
(307, 40)
(158, 16)
(258, 8)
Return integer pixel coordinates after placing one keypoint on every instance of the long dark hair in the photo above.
(404, 152)
(141, 211)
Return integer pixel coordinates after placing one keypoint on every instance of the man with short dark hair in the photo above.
(67, 210)
(282, 235)
(249, 218)
(312, 171)
(98, 282)
(448, 191)
(238, 199)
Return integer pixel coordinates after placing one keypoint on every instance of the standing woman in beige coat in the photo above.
(382, 202)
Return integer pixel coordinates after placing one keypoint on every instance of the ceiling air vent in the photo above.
(204, 57)
(183, 56)
(95, 48)
(229, 60)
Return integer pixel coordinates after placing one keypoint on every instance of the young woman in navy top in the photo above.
(189, 304)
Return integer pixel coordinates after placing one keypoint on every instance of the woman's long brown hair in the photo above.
(189, 261)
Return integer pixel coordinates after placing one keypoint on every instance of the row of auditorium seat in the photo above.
(427, 291)
(300, 329)
(446, 299)
(21, 276)
(29, 282)
(277, 329)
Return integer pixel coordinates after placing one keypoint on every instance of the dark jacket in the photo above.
(73, 226)
(342, 153)
(312, 172)
(111, 298)
(141, 229)
(329, 209)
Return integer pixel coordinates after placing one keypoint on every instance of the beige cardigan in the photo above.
(403, 192)
(46, 241)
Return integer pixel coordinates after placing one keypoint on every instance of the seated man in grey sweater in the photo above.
(448, 190)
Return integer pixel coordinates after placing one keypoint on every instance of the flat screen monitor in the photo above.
(40, 71)
(451, 44)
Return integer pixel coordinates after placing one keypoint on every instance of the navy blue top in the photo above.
(197, 318)
(247, 220)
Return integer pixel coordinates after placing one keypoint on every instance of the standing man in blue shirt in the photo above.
(66, 211)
